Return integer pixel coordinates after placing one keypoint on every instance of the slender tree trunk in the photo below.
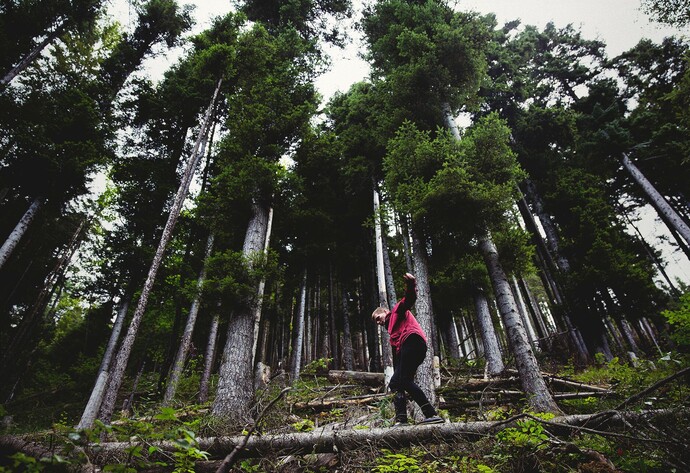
(539, 397)
(657, 200)
(651, 255)
(524, 315)
(183, 349)
(122, 359)
(236, 375)
(33, 54)
(492, 351)
(326, 319)
(127, 404)
(299, 330)
(406, 244)
(452, 340)
(262, 286)
(386, 351)
(424, 314)
(548, 267)
(31, 326)
(209, 357)
(91, 410)
(13, 240)
(552, 239)
(333, 332)
(348, 361)
(534, 308)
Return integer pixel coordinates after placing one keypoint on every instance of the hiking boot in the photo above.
(432, 420)
(401, 424)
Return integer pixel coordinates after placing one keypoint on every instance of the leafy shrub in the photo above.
(679, 320)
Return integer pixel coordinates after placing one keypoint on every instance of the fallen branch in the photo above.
(498, 397)
(322, 404)
(651, 388)
(230, 458)
(567, 382)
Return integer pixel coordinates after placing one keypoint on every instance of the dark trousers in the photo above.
(405, 366)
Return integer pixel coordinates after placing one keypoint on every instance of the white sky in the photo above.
(619, 23)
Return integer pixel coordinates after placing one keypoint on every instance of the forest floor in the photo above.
(617, 418)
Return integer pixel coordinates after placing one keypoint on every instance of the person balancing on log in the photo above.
(409, 349)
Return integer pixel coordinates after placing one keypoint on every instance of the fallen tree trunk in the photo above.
(328, 440)
(479, 384)
(498, 397)
(362, 377)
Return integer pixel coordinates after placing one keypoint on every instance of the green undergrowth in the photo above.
(525, 444)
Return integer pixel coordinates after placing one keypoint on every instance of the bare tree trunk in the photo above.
(406, 244)
(386, 351)
(524, 315)
(424, 315)
(19, 230)
(236, 375)
(548, 267)
(209, 358)
(326, 325)
(454, 342)
(118, 371)
(649, 250)
(33, 54)
(183, 349)
(657, 200)
(539, 397)
(31, 327)
(96, 398)
(299, 330)
(552, 239)
(306, 345)
(333, 332)
(262, 286)
(534, 308)
(492, 351)
(348, 361)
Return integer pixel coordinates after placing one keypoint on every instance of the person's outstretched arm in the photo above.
(410, 297)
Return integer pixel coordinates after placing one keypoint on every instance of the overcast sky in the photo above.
(619, 23)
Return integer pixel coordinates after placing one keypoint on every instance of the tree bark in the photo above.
(348, 359)
(333, 332)
(533, 384)
(492, 351)
(209, 358)
(657, 200)
(236, 375)
(524, 315)
(386, 351)
(552, 239)
(299, 330)
(364, 377)
(91, 410)
(262, 286)
(19, 230)
(424, 314)
(327, 440)
(186, 341)
(122, 359)
(33, 54)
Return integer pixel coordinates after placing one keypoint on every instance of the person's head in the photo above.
(380, 315)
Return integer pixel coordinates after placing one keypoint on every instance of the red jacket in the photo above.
(401, 322)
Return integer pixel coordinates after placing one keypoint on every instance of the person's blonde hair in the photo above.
(379, 310)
